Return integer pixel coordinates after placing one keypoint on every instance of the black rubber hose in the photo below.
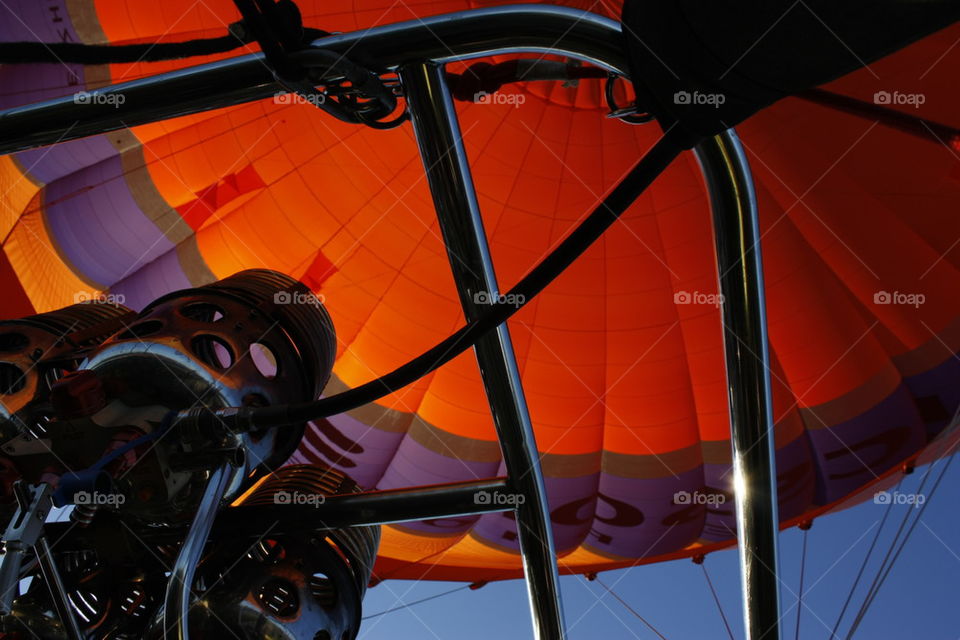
(612, 207)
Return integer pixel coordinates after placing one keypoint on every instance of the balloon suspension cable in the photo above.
(886, 566)
(570, 248)
(473, 586)
(628, 607)
(716, 599)
(863, 565)
(805, 528)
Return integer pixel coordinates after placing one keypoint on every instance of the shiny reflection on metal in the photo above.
(21, 534)
(177, 601)
(448, 174)
(58, 593)
(60, 337)
(455, 36)
(455, 500)
(193, 348)
(286, 588)
(737, 236)
(302, 584)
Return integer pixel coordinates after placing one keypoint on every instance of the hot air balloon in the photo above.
(621, 358)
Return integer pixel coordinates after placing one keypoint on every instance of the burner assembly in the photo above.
(89, 395)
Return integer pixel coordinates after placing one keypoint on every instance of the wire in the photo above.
(410, 604)
(569, 249)
(871, 596)
(630, 609)
(863, 565)
(716, 599)
(92, 54)
(803, 567)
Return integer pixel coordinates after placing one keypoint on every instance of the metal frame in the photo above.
(448, 173)
(737, 237)
(418, 50)
(176, 605)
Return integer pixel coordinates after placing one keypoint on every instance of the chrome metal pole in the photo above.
(448, 173)
(454, 500)
(176, 605)
(737, 236)
(463, 35)
(58, 593)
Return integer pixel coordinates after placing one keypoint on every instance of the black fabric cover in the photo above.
(701, 66)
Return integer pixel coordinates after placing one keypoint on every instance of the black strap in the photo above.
(278, 30)
(60, 52)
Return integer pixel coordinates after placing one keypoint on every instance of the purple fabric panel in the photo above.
(937, 394)
(852, 454)
(628, 517)
(37, 21)
(49, 164)
(642, 517)
(572, 503)
(796, 479)
(98, 225)
(366, 466)
(415, 465)
(720, 521)
(796, 489)
(145, 285)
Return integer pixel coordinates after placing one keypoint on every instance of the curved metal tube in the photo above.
(459, 36)
(737, 235)
(448, 173)
(454, 36)
(176, 606)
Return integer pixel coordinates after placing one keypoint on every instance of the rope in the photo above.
(886, 572)
(421, 600)
(630, 609)
(716, 599)
(863, 565)
(91, 54)
(545, 272)
(277, 23)
(878, 578)
(803, 567)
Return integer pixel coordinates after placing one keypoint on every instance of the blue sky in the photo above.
(917, 601)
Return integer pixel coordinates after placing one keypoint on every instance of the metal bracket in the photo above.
(24, 533)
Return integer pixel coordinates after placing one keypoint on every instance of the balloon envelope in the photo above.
(621, 358)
